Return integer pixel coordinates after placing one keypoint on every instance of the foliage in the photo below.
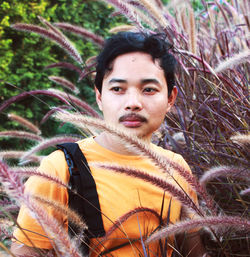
(24, 72)
(208, 126)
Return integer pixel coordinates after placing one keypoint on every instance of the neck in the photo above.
(114, 144)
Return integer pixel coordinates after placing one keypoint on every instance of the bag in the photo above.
(87, 204)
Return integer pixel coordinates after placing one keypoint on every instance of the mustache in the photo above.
(132, 116)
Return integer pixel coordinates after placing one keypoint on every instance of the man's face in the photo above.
(135, 94)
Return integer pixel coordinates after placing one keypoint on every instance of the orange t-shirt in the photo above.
(118, 194)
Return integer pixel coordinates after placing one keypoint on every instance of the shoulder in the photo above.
(169, 154)
(86, 144)
(55, 163)
(175, 160)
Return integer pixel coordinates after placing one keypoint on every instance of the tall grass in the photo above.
(208, 126)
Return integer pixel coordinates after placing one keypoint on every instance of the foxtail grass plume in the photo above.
(155, 12)
(192, 31)
(91, 60)
(77, 102)
(51, 27)
(24, 95)
(7, 206)
(245, 191)
(62, 209)
(65, 65)
(18, 154)
(81, 32)
(124, 27)
(183, 19)
(143, 17)
(52, 111)
(33, 171)
(126, 9)
(117, 224)
(50, 142)
(21, 134)
(63, 42)
(58, 234)
(241, 58)
(64, 82)
(241, 139)
(24, 122)
(88, 69)
(11, 183)
(227, 171)
(214, 222)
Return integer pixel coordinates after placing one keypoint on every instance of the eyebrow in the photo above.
(117, 81)
(143, 81)
(148, 81)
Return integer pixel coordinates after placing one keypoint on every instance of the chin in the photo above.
(140, 135)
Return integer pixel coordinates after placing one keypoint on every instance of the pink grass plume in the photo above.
(235, 222)
(118, 223)
(33, 171)
(77, 102)
(20, 134)
(51, 27)
(24, 95)
(52, 111)
(240, 58)
(24, 122)
(63, 42)
(226, 171)
(245, 191)
(241, 139)
(81, 32)
(18, 154)
(48, 143)
(126, 10)
(10, 181)
(64, 82)
(87, 70)
(65, 65)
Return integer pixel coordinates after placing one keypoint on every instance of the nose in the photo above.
(133, 101)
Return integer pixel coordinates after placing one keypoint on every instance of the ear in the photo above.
(98, 98)
(171, 98)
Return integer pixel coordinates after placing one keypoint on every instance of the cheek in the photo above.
(159, 107)
(110, 108)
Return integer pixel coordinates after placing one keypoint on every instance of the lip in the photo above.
(132, 120)
(132, 123)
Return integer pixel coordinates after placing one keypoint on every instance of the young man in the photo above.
(134, 90)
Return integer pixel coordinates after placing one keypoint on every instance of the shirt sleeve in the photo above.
(55, 166)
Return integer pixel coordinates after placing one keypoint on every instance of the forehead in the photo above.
(135, 62)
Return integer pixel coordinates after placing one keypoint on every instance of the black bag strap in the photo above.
(81, 180)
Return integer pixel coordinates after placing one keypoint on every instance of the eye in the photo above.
(116, 89)
(150, 90)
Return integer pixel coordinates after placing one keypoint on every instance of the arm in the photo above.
(52, 166)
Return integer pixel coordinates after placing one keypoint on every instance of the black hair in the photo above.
(126, 42)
